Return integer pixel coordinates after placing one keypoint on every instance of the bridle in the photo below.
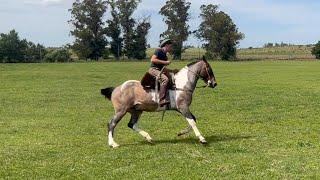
(202, 77)
(198, 75)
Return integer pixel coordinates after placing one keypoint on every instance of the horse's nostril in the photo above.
(214, 84)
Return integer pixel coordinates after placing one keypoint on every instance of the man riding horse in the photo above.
(132, 97)
(158, 61)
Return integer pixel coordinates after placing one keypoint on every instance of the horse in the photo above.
(131, 97)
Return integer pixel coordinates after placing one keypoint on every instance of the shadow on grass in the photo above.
(193, 140)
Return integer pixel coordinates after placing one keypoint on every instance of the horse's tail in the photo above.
(107, 92)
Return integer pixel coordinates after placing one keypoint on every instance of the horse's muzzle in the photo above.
(213, 85)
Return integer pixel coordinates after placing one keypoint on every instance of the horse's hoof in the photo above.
(150, 141)
(203, 141)
(114, 145)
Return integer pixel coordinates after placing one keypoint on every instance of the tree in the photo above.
(114, 31)
(140, 39)
(219, 32)
(316, 50)
(11, 47)
(34, 52)
(268, 45)
(14, 50)
(89, 30)
(176, 16)
(126, 9)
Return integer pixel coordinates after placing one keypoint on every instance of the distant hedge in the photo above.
(58, 55)
(316, 50)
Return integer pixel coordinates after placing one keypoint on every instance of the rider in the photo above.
(158, 61)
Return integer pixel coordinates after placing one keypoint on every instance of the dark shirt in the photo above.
(160, 55)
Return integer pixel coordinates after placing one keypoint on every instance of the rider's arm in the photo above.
(155, 60)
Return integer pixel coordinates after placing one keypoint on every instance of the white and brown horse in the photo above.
(131, 97)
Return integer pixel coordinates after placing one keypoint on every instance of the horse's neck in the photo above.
(185, 79)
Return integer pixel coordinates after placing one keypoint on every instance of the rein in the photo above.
(198, 76)
(201, 77)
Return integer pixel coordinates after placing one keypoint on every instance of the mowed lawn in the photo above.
(262, 121)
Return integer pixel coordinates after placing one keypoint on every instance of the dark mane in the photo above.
(192, 63)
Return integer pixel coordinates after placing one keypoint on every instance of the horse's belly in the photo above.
(153, 99)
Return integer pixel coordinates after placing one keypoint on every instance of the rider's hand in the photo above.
(167, 62)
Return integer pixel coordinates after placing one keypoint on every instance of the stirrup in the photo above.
(164, 102)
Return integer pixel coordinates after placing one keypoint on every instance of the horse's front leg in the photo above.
(192, 122)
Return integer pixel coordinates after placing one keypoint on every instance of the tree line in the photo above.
(122, 35)
(16, 50)
(127, 36)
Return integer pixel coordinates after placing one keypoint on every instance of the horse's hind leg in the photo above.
(185, 131)
(112, 124)
(133, 124)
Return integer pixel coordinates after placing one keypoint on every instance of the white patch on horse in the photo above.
(172, 95)
(181, 80)
(153, 95)
(125, 84)
(111, 141)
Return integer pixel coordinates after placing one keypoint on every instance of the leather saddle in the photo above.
(149, 82)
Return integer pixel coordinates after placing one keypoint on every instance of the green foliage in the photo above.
(316, 50)
(89, 30)
(140, 39)
(294, 52)
(219, 32)
(114, 30)
(259, 122)
(58, 55)
(14, 50)
(176, 16)
(106, 53)
(133, 43)
(126, 9)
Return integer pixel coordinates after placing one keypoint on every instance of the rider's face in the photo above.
(169, 47)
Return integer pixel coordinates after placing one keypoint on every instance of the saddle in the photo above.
(148, 81)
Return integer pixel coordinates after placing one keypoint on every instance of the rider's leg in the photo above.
(164, 80)
(163, 90)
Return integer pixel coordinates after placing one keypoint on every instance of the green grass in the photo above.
(262, 122)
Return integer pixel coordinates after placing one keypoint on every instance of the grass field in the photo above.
(262, 122)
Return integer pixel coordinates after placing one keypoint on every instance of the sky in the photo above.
(262, 21)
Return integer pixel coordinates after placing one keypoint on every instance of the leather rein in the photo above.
(198, 76)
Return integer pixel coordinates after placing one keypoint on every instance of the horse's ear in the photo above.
(204, 59)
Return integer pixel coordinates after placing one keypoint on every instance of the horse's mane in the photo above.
(192, 63)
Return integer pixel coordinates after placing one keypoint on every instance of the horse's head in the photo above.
(206, 73)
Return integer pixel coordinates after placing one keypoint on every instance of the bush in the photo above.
(316, 50)
(58, 55)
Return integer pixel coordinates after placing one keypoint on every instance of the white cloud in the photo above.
(293, 13)
(46, 2)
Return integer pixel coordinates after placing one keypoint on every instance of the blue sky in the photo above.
(290, 21)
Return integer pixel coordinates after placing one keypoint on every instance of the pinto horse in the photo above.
(131, 97)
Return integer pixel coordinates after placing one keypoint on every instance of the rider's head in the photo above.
(166, 45)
